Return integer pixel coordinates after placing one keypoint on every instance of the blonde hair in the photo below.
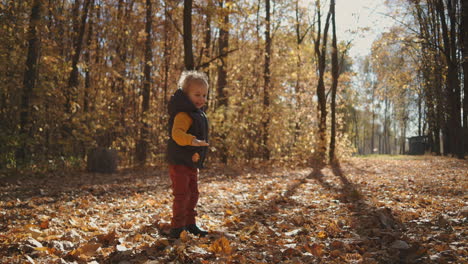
(189, 77)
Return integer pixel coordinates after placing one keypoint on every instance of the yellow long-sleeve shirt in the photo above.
(182, 123)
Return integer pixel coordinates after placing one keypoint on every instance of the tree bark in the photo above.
(166, 54)
(223, 46)
(385, 132)
(299, 39)
(464, 40)
(142, 146)
(29, 80)
(267, 84)
(188, 49)
(73, 79)
(373, 119)
(87, 58)
(335, 76)
(320, 52)
(452, 81)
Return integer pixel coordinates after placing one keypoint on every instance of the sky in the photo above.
(353, 15)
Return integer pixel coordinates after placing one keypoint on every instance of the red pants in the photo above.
(185, 190)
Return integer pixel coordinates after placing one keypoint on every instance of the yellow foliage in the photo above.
(221, 246)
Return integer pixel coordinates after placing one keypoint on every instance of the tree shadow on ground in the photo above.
(270, 206)
(378, 228)
(60, 184)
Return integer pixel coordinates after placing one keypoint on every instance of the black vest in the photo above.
(182, 155)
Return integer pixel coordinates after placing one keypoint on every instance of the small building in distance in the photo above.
(418, 145)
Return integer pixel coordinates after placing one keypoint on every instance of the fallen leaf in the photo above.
(315, 249)
(108, 238)
(322, 235)
(184, 236)
(44, 224)
(85, 251)
(222, 246)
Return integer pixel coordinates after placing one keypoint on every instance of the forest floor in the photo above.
(365, 210)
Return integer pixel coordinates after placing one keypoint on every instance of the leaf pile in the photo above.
(362, 211)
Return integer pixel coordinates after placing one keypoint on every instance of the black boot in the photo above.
(175, 232)
(193, 228)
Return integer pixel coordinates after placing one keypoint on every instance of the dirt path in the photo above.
(367, 210)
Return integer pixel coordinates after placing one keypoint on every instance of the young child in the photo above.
(187, 148)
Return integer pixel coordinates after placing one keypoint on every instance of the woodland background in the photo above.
(76, 75)
(81, 74)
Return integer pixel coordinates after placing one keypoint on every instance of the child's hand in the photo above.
(199, 143)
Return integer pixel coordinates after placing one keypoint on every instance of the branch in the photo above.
(399, 22)
(174, 23)
(206, 64)
(305, 34)
(343, 53)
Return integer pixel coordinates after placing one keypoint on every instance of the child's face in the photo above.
(197, 93)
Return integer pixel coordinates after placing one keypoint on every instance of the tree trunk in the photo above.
(166, 54)
(223, 45)
(122, 54)
(320, 52)
(452, 81)
(385, 132)
(431, 71)
(142, 146)
(373, 119)
(207, 50)
(188, 52)
(335, 76)
(356, 130)
(298, 75)
(464, 39)
(299, 39)
(419, 114)
(87, 58)
(73, 79)
(29, 80)
(266, 85)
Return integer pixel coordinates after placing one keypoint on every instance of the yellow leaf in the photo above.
(85, 251)
(32, 229)
(184, 236)
(41, 248)
(221, 245)
(205, 216)
(322, 235)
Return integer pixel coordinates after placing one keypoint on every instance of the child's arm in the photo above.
(182, 123)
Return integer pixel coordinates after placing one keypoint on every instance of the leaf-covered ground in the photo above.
(366, 210)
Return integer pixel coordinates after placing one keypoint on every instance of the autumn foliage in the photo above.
(366, 210)
(103, 71)
(82, 78)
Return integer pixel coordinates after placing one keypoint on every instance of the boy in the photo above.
(187, 147)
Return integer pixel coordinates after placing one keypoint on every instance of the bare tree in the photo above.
(29, 78)
(188, 49)
(267, 81)
(78, 44)
(223, 46)
(142, 145)
(335, 76)
(320, 48)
